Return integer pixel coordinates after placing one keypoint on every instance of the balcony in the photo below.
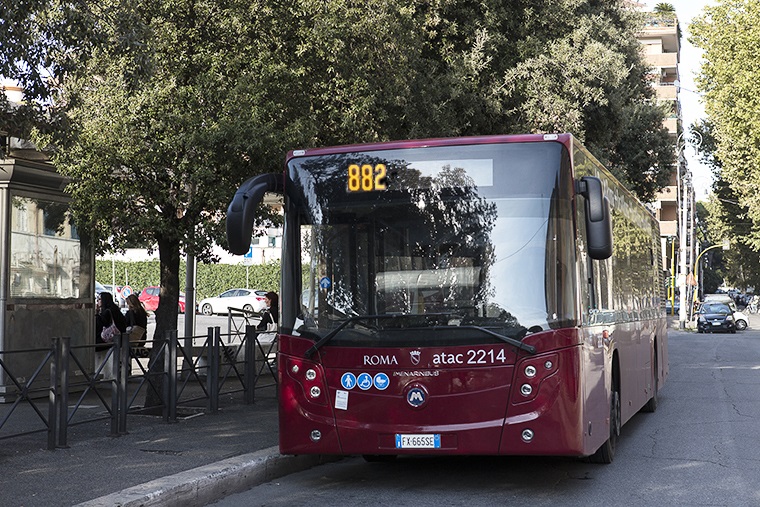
(663, 60)
(663, 25)
(669, 228)
(666, 91)
(668, 194)
(671, 124)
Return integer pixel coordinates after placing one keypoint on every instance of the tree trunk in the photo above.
(166, 316)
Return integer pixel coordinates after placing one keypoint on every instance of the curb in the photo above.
(209, 483)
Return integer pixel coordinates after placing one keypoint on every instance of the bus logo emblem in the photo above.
(416, 396)
(415, 357)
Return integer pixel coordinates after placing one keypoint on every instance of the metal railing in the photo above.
(175, 373)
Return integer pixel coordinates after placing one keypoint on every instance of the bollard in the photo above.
(63, 411)
(250, 364)
(115, 352)
(170, 366)
(123, 373)
(53, 400)
(212, 374)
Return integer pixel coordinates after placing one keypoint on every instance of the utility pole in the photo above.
(686, 201)
(682, 278)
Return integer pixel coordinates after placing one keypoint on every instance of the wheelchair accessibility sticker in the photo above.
(365, 381)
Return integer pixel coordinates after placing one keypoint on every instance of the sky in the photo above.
(691, 107)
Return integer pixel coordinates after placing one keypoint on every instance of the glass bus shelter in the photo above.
(46, 272)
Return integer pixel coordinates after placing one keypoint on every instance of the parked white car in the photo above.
(250, 300)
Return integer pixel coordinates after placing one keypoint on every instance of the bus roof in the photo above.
(566, 139)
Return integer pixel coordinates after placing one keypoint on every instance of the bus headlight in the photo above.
(526, 389)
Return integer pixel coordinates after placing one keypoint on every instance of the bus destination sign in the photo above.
(366, 177)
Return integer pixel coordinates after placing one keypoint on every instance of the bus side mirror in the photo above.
(242, 209)
(598, 221)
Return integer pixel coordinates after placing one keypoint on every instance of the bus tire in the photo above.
(651, 405)
(606, 453)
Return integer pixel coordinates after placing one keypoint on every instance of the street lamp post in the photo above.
(685, 201)
(725, 245)
(682, 279)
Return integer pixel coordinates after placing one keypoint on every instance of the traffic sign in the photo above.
(248, 257)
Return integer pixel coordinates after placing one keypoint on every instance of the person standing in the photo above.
(109, 313)
(137, 321)
(106, 313)
(269, 317)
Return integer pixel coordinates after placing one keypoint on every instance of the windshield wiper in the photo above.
(530, 349)
(329, 336)
(506, 339)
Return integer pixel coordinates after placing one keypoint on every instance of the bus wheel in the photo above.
(606, 452)
(379, 458)
(651, 405)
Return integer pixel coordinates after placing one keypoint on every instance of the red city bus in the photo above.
(494, 295)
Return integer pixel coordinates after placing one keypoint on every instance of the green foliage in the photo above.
(211, 279)
(724, 217)
(163, 108)
(169, 106)
(667, 8)
(728, 34)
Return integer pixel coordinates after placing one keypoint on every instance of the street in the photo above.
(202, 323)
(699, 448)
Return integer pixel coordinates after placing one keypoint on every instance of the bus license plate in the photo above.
(432, 441)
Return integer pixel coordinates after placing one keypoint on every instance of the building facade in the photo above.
(674, 207)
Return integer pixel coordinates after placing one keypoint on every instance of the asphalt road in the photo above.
(203, 322)
(699, 448)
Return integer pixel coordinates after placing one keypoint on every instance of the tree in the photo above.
(207, 95)
(726, 218)
(557, 67)
(727, 32)
(159, 109)
(664, 7)
(711, 266)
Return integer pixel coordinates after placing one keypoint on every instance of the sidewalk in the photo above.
(193, 462)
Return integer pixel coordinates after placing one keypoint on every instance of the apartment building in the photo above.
(675, 204)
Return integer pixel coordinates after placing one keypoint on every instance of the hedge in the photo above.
(211, 279)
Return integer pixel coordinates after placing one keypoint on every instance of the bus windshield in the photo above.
(444, 241)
